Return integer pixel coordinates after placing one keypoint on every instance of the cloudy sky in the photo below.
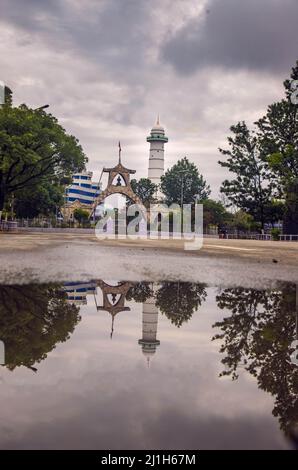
(107, 67)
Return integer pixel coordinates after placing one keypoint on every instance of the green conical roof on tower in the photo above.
(157, 133)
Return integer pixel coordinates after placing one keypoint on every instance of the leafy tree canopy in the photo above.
(184, 179)
(145, 189)
(278, 134)
(43, 199)
(249, 188)
(34, 148)
(264, 163)
(215, 213)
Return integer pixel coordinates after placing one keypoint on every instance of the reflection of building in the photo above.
(157, 140)
(150, 321)
(77, 291)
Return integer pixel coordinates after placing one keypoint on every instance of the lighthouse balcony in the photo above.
(157, 137)
(149, 343)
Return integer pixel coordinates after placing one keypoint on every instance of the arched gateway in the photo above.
(116, 173)
(118, 183)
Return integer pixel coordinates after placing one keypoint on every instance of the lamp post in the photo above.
(12, 206)
(183, 172)
(41, 108)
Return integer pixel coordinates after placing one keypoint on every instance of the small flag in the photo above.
(119, 145)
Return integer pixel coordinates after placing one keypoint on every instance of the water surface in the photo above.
(121, 365)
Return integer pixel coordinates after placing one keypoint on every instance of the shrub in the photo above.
(275, 233)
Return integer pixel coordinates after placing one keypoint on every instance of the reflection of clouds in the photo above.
(93, 392)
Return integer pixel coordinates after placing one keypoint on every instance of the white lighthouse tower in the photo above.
(149, 342)
(157, 139)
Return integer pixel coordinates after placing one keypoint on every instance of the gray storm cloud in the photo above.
(108, 67)
(257, 35)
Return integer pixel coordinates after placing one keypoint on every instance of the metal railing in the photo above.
(288, 238)
(8, 225)
(247, 236)
(52, 223)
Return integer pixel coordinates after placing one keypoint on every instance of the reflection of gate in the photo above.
(113, 299)
(120, 174)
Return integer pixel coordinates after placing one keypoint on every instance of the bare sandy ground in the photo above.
(46, 257)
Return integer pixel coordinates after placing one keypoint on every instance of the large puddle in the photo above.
(121, 365)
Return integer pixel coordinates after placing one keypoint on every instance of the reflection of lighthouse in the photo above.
(150, 321)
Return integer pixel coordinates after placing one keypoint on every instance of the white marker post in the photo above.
(2, 353)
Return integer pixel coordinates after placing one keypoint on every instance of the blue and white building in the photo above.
(82, 189)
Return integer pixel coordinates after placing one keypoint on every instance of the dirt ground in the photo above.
(45, 256)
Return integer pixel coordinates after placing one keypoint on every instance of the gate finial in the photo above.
(119, 145)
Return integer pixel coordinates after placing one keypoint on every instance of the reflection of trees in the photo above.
(140, 292)
(258, 336)
(179, 300)
(33, 319)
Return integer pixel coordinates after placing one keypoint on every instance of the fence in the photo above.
(8, 225)
(50, 223)
(264, 237)
(288, 238)
(47, 224)
(247, 236)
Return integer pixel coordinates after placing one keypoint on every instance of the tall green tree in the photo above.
(145, 189)
(183, 183)
(34, 148)
(42, 199)
(215, 213)
(242, 221)
(278, 135)
(250, 188)
(8, 96)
